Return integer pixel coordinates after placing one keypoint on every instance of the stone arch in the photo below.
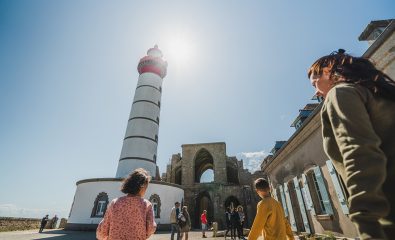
(156, 204)
(231, 202)
(100, 205)
(203, 202)
(203, 160)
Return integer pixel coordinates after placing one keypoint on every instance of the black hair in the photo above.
(135, 181)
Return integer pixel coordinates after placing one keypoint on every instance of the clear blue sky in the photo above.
(68, 74)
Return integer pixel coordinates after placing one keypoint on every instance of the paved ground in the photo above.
(66, 235)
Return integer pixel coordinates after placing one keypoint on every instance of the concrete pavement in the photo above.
(78, 235)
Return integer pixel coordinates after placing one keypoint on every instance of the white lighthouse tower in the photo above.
(141, 139)
(139, 150)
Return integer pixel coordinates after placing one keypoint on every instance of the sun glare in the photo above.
(179, 50)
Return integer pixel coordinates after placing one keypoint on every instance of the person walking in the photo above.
(44, 221)
(241, 222)
(130, 216)
(203, 219)
(184, 222)
(228, 215)
(270, 221)
(358, 125)
(175, 212)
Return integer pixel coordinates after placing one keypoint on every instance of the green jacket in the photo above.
(359, 137)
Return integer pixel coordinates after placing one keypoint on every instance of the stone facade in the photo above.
(232, 185)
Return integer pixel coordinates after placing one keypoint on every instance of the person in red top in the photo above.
(203, 218)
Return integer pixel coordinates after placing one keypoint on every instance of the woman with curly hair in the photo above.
(358, 127)
(130, 216)
(184, 222)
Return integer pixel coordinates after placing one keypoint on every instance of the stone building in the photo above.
(231, 184)
(302, 177)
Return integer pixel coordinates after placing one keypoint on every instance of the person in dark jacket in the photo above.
(227, 221)
(235, 222)
(44, 221)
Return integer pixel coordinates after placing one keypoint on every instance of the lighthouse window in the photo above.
(157, 119)
(156, 138)
(100, 205)
(155, 201)
(100, 208)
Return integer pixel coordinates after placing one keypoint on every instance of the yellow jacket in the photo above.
(270, 222)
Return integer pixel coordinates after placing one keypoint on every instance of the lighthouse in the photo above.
(140, 144)
(139, 150)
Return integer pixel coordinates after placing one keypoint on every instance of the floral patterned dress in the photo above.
(128, 217)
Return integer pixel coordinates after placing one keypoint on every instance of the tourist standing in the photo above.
(175, 212)
(228, 216)
(275, 227)
(54, 220)
(358, 125)
(234, 221)
(241, 222)
(44, 221)
(184, 222)
(203, 219)
(130, 216)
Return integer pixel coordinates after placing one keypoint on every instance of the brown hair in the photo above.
(261, 184)
(135, 181)
(356, 70)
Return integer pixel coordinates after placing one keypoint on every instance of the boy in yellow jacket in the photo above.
(270, 221)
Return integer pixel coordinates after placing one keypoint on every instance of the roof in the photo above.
(371, 27)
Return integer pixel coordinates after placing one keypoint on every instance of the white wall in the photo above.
(86, 194)
(125, 167)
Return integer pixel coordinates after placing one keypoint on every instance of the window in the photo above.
(100, 208)
(283, 201)
(289, 207)
(100, 205)
(340, 192)
(301, 202)
(318, 191)
(155, 201)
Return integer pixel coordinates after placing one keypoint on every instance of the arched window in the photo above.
(156, 138)
(100, 205)
(207, 176)
(155, 201)
(154, 157)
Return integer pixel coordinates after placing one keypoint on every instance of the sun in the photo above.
(179, 50)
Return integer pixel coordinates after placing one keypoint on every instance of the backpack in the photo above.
(181, 220)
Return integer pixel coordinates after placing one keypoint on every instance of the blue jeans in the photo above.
(175, 228)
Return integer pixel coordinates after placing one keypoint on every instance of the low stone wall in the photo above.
(16, 224)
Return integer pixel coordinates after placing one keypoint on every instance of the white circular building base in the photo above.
(93, 195)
